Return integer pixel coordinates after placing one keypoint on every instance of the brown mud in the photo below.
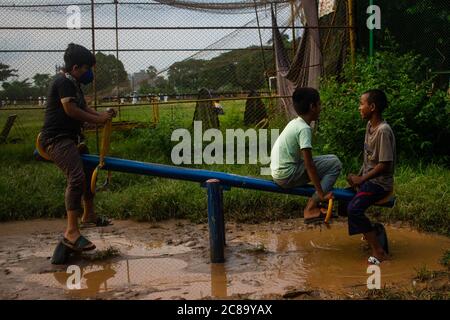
(170, 260)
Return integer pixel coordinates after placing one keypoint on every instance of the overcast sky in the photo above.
(153, 15)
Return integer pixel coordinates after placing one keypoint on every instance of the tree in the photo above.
(6, 72)
(152, 73)
(159, 85)
(18, 90)
(233, 70)
(186, 75)
(422, 26)
(109, 72)
(41, 82)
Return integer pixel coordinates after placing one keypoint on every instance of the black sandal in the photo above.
(61, 254)
(101, 221)
(318, 219)
(81, 244)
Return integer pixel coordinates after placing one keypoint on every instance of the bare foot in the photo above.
(88, 219)
(72, 236)
(89, 214)
(311, 210)
(311, 213)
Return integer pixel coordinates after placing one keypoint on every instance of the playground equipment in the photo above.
(106, 139)
(154, 102)
(215, 183)
(7, 128)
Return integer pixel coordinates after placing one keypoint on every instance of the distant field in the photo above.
(34, 189)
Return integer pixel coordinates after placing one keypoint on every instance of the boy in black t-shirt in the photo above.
(65, 113)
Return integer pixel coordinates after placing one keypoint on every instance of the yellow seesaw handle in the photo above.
(106, 138)
(40, 149)
(329, 211)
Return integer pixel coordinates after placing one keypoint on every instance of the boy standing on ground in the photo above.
(376, 178)
(292, 163)
(65, 113)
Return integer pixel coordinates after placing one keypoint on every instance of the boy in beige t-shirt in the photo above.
(376, 178)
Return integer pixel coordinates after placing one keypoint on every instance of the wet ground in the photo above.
(170, 260)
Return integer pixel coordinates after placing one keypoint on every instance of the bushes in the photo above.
(421, 121)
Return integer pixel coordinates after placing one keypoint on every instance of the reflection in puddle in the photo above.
(335, 261)
(218, 280)
(303, 259)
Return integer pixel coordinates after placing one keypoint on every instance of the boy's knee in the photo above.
(352, 211)
(77, 180)
(337, 164)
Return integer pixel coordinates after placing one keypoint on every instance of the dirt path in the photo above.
(170, 260)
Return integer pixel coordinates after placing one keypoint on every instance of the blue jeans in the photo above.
(368, 194)
(328, 167)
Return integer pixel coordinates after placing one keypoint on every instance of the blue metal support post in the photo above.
(216, 220)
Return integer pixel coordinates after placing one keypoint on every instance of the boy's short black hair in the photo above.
(377, 97)
(303, 98)
(77, 55)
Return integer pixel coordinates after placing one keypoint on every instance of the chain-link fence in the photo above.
(153, 57)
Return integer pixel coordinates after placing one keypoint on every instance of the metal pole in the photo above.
(261, 45)
(371, 39)
(293, 29)
(117, 55)
(215, 220)
(352, 30)
(94, 86)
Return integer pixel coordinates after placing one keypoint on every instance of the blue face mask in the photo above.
(87, 77)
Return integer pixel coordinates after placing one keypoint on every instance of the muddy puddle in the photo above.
(170, 260)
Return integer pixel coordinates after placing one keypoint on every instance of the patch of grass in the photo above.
(384, 294)
(445, 260)
(101, 255)
(259, 248)
(411, 294)
(423, 274)
(423, 195)
(432, 285)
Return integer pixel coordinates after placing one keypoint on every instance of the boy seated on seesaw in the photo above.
(64, 115)
(375, 180)
(292, 163)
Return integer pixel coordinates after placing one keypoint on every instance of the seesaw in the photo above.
(214, 181)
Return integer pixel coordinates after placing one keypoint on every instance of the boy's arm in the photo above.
(312, 171)
(72, 110)
(91, 111)
(379, 169)
(94, 112)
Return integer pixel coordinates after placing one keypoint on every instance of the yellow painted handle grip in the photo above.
(106, 138)
(329, 211)
(94, 180)
(39, 148)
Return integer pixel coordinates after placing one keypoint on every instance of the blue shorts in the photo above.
(368, 194)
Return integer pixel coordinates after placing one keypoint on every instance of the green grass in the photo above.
(423, 274)
(30, 189)
(101, 255)
(445, 260)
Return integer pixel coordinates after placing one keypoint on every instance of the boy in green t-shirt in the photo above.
(292, 163)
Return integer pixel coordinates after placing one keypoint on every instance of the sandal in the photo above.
(61, 254)
(101, 221)
(81, 244)
(319, 219)
(373, 260)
